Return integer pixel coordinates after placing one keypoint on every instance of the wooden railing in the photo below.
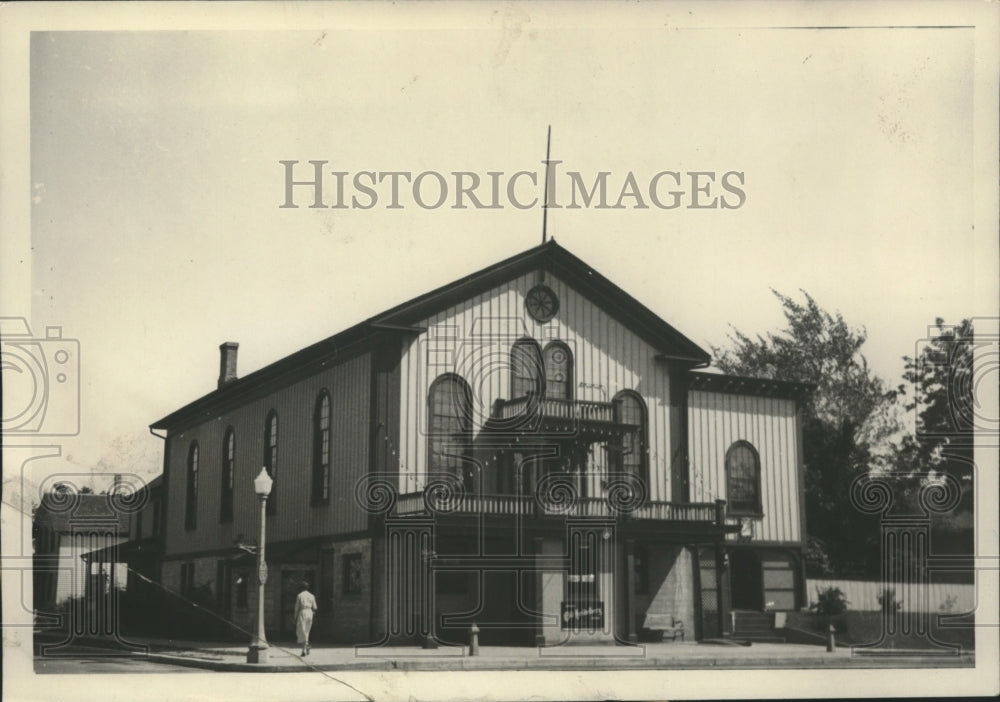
(522, 505)
(555, 408)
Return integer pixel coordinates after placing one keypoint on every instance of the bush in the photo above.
(949, 604)
(887, 600)
(830, 602)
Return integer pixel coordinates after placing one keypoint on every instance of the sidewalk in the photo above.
(283, 658)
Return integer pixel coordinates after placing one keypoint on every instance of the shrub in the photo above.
(949, 604)
(830, 602)
(887, 600)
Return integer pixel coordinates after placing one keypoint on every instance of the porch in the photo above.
(445, 499)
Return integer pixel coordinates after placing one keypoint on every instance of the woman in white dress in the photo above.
(305, 605)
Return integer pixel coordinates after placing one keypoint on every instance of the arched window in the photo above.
(525, 369)
(271, 457)
(228, 471)
(321, 449)
(449, 427)
(191, 505)
(630, 411)
(558, 371)
(743, 479)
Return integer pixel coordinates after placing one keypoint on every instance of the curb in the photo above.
(466, 664)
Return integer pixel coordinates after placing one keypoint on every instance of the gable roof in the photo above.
(59, 513)
(548, 256)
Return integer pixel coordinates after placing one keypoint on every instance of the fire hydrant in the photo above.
(474, 640)
(831, 643)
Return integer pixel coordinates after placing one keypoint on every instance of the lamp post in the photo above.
(258, 646)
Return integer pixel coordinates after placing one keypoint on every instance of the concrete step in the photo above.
(772, 637)
(754, 632)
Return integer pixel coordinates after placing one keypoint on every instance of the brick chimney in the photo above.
(227, 362)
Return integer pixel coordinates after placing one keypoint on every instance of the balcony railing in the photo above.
(556, 408)
(523, 505)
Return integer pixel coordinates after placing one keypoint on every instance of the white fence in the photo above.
(862, 595)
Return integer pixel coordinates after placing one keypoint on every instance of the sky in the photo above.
(156, 231)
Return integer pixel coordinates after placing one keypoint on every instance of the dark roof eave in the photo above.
(737, 384)
(577, 274)
(401, 319)
(326, 349)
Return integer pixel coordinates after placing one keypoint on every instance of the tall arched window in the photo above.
(271, 456)
(191, 504)
(449, 427)
(321, 449)
(526, 369)
(630, 410)
(743, 479)
(558, 371)
(228, 471)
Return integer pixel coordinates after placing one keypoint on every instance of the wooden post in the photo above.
(720, 568)
(720, 573)
(628, 585)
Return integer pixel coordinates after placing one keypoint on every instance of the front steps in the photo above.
(755, 626)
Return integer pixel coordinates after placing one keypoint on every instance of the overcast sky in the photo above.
(156, 231)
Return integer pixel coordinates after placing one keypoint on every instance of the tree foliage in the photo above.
(848, 420)
(940, 390)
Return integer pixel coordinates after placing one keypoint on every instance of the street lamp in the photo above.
(258, 646)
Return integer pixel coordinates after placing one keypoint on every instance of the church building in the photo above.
(528, 449)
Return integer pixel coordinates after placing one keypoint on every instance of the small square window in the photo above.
(352, 574)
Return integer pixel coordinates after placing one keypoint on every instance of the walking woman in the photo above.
(305, 605)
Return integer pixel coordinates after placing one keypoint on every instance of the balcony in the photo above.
(560, 505)
(557, 416)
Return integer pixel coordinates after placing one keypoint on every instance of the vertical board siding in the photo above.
(474, 338)
(716, 421)
(863, 595)
(349, 385)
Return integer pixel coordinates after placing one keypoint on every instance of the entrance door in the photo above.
(290, 580)
(746, 579)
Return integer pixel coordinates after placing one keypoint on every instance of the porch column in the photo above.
(537, 548)
(720, 567)
(720, 573)
(628, 585)
(409, 548)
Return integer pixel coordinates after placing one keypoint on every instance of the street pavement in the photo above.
(679, 655)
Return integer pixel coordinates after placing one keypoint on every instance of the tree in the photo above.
(848, 421)
(940, 378)
(940, 390)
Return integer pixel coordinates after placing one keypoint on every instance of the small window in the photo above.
(228, 469)
(271, 457)
(743, 479)
(449, 427)
(321, 449)
(352, 574)
(191, 504)
(558, 371)
(630, 412)
(526, 369)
